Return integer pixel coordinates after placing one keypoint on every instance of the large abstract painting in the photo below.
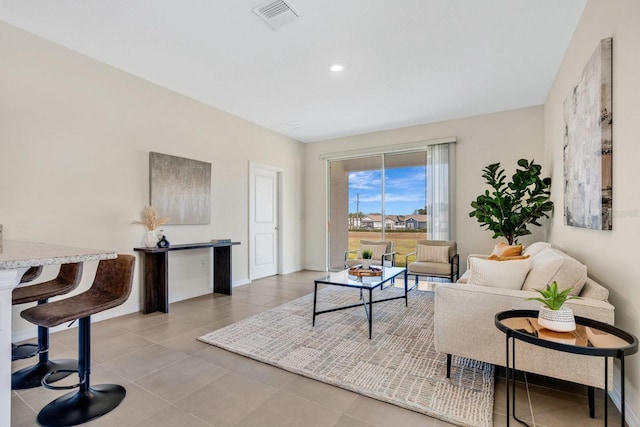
(180, 188)
(588, 145)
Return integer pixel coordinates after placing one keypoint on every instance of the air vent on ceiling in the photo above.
(276, 14)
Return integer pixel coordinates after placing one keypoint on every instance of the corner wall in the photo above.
(610, 256)
(74, 165)
(501, 137)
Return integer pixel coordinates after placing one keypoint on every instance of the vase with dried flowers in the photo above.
(152, 221)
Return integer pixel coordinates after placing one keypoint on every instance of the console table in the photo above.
(155, 265)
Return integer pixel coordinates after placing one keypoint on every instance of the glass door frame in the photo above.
(390, 149)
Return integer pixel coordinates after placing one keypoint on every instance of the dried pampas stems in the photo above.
(150, 218)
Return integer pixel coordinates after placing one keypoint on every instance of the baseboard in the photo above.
(630, 417)
(292, 270)
(315, 268)
(240, 282)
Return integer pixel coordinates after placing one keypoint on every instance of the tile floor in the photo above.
(174, 380)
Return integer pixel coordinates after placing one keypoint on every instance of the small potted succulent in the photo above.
(553, 314)
(366, 258)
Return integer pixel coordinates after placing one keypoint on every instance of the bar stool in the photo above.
(24, 351)
(67, 280)
(111, 287)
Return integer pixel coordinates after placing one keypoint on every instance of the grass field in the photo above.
(403, 242)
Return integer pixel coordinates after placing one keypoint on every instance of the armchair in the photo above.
(434, 258)
(383, 253)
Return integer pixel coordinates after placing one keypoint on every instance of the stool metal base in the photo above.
(81, 406)
(23, 351)
(32, 376)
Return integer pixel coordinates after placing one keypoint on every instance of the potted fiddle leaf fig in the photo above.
(553, 314)
(510, 207)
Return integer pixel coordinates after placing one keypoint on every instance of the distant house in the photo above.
(392, 222)
(415, 221)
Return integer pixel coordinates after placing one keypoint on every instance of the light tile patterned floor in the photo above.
(174, 380)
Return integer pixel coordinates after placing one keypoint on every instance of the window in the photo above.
(397, 195)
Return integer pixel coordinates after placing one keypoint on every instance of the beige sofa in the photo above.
(464, 318)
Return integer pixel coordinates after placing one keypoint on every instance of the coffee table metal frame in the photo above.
(606, 352)
(368, 284)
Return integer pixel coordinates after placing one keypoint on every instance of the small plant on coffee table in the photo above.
(367, 254)
(551, 298)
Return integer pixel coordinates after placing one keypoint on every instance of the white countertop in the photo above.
(18, 254)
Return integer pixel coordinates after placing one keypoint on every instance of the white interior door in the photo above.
(264, 230)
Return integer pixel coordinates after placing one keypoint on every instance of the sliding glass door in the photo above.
(405, 201)
(401, 197)
(355, 205)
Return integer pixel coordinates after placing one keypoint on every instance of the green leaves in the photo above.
(510, 207)
(552, 298)
(367, 254)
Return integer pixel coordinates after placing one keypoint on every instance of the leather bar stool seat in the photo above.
(24, 351)
(67, 280)
(32, 274)
(111, 287)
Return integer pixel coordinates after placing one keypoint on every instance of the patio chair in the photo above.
(434, 258)
(382, 250)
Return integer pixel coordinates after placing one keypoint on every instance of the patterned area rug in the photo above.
(399, 365)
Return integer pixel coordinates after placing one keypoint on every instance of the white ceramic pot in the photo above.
(366, 263)
(150, 239)
(561, 320)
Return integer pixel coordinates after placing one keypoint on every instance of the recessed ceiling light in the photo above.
(336, 68)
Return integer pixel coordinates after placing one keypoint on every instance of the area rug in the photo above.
(399, 365)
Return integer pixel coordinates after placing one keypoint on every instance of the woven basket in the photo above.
(361, 272)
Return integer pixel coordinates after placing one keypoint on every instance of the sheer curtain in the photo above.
(439, 207)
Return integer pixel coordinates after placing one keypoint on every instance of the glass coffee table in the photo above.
(590, 338)
(343, 278)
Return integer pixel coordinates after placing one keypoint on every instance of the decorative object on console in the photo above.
(163, 242)
(553, 315)
(512, 206)
(588, 144)
(152, 221)
(220, 240)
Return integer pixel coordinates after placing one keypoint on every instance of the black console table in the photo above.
(155, 264)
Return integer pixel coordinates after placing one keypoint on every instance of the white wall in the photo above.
(75, 137)
(609, 255)
(501, 137)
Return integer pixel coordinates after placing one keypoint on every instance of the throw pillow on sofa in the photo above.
(503, 249)
(535, 248)
(505, 274)
(553, 265)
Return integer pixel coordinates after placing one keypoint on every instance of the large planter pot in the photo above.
(561, 320)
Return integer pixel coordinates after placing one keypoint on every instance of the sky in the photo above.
(405, 190)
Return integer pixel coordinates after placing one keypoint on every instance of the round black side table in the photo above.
(591, 338)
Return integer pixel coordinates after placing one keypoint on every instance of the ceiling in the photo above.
(406, 62)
